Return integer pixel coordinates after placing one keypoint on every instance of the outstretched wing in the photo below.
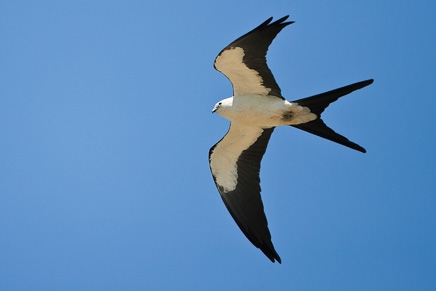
(243, 61)
(235, 165)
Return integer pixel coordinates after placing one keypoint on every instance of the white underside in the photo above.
(263, 111)
(249, 116)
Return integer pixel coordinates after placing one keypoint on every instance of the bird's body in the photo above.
(254, 110)
(263, 111)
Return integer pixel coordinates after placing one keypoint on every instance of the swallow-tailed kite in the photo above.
(256, 108)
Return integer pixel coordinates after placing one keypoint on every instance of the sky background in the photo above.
(106, 124)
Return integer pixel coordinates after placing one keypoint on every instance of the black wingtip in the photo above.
(271, 253)
(277, 259)
(280, 21)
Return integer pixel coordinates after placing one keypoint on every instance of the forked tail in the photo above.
(318, 103)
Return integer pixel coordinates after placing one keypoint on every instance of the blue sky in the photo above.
(106, 124)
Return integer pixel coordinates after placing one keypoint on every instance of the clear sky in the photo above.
(106, 124)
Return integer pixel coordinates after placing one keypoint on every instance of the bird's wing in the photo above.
(243, 61)
(235, 165)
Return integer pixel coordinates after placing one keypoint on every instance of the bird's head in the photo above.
(223, 106)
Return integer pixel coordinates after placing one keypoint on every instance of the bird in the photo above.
(255, 109)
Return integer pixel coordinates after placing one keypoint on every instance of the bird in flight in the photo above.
(256, 108)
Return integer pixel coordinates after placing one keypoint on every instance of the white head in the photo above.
(223, 107)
